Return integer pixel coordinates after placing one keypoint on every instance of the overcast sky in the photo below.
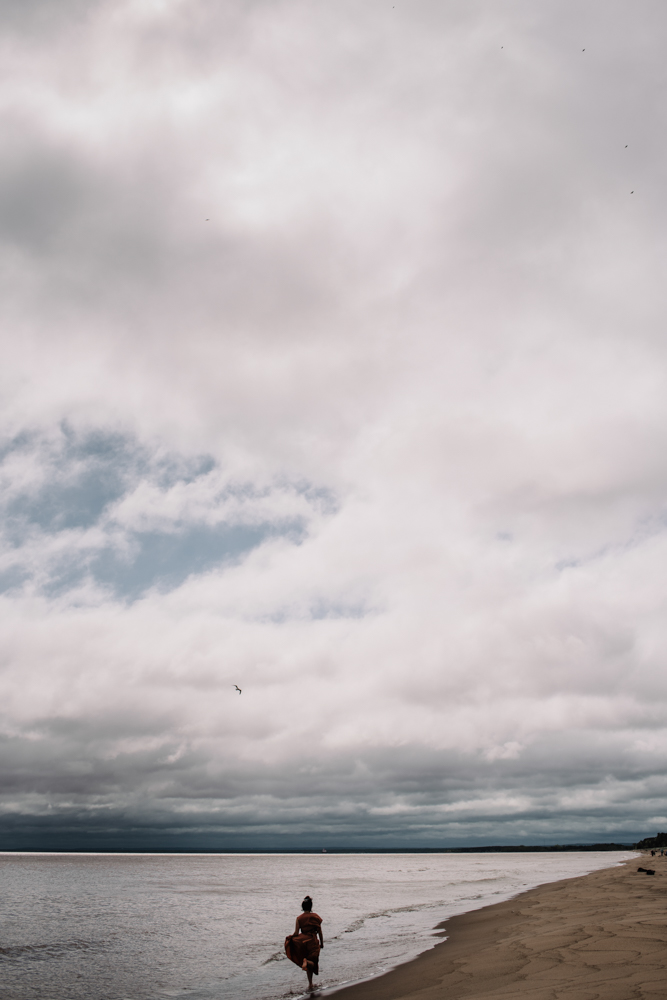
(333, 367)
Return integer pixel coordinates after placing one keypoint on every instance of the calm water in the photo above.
(211, 927)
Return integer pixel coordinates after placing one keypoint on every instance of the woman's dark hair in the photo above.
(307, 904)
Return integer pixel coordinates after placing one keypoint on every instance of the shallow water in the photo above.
(211, 927)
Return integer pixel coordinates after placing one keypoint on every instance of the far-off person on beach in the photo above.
(303, 947)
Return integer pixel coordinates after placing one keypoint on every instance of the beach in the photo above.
(601, 936)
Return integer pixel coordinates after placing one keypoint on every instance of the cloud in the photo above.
(333, 368)
(101, 508)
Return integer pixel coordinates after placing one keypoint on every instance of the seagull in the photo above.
(237, 688)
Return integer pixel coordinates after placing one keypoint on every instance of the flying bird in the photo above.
(237, 688)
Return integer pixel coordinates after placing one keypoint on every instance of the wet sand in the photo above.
(602, 936)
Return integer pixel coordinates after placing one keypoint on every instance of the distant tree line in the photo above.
(660, 840)
(537, 848)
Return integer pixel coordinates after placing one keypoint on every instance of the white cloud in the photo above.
(334, 368)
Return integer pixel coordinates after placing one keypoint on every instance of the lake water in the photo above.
(212, 927)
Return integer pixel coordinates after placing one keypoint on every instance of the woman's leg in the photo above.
(308, 969)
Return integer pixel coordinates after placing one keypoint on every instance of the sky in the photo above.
(333, 367)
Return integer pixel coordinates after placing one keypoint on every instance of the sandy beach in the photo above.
(599, 937)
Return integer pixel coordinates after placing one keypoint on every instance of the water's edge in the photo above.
(438, 931)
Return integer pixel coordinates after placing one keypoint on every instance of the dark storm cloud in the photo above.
(382, 797)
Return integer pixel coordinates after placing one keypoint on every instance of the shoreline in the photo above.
(601, 935)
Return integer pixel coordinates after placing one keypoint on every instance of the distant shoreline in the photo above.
(497, 849)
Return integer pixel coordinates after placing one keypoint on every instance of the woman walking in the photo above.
(303, 947)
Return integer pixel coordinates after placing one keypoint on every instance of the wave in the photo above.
(44, 952)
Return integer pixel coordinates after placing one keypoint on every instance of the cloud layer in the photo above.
(334, 368)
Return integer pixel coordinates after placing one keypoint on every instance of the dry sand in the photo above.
(602, 936)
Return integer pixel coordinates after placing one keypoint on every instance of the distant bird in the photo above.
(237, 688)
(583, 50)
(626, 145)
(632, 192)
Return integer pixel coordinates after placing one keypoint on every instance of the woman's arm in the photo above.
(296, 926)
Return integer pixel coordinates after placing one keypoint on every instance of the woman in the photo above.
(303, 947)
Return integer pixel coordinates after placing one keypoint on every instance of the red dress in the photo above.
(305, 944)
